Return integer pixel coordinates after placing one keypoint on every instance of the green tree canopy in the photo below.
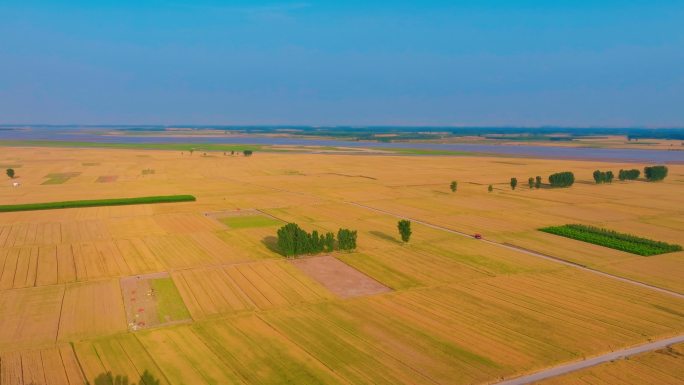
(562, 179)
(629, 174)
(346, 239)
(655, 173)
(404, 227)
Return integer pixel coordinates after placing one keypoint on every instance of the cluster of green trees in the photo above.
(652, 174)
(655, 173)
(603, 176)
(294, 241)
(562, 179)
(346, 239)
(534, 182)
(247, 152)
(629, 174)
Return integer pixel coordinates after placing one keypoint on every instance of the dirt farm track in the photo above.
(197, 293)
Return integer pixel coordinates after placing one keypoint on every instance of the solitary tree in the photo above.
(247, 152)
(530, 182)
(453, 186)
(490, 188)
(10, 173)
(537, 182)
(598, 178)
(191, 151)
(514, 182)
(232, 153)
(404, 227)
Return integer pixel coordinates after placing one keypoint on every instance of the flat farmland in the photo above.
(246, 286)
(452, 309)
(662, 366)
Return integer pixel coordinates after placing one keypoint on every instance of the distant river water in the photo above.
(602, 154)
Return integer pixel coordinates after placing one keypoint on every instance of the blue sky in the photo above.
(530, 63)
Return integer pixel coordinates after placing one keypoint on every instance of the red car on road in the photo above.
(477, 236)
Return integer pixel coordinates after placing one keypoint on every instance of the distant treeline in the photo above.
(294, 241)
(430, 132)
(652, 174)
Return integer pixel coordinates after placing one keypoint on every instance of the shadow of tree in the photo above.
(271, 243)
(109, 379)
(384, 236)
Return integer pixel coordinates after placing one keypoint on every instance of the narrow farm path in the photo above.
(528, 252)
(573, 366)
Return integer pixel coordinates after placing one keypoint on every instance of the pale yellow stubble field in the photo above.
(461, 308)
(410, 186)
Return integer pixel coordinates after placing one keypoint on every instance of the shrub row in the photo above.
(612, 239)
(562, 179)
(629, 174)
(97, 202)
(603, 176)
(294, 241)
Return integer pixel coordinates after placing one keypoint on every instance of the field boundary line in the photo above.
(59, 320)
(529, 252)
(308, 353)
(578, 365)
(78, 361)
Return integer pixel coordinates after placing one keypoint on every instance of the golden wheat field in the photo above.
(662, 366)
(453, 309)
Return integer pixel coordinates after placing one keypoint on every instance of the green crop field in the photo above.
(170, 306)
(613, 239)
(97, 202)
(249, 221)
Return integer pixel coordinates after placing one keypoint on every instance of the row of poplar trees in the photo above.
(294, 241)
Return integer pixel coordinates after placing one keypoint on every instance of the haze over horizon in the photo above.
(596, 63)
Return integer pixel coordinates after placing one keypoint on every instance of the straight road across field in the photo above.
(574, 366)
(528, 252)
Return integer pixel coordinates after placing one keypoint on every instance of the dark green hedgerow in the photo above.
(613, 239)
(97, 202)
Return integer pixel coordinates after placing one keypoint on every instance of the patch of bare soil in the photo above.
(107, 178)
(232, 213)
(340, 278)
(140, 301)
